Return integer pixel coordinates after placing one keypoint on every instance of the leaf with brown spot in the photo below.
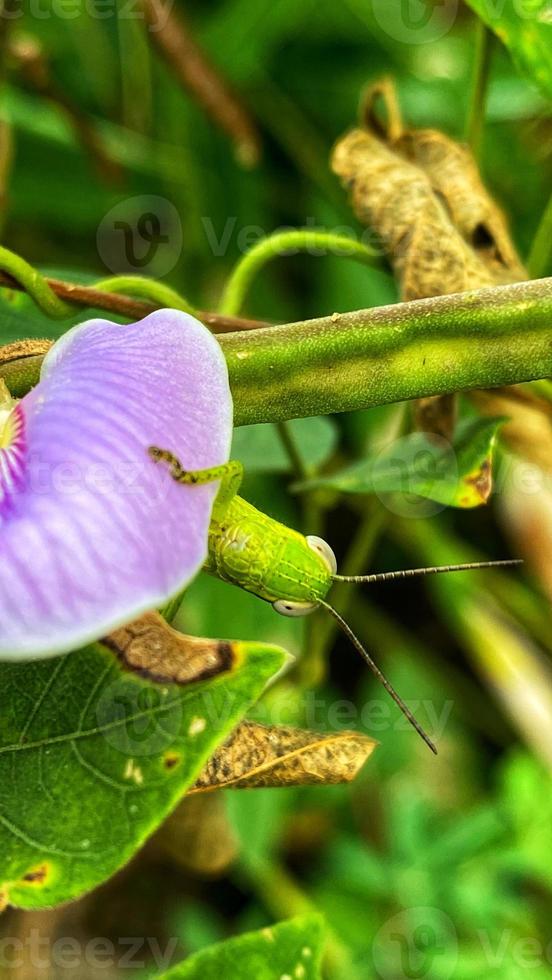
(455, 474)
(258, 755)
(152, 648)
(37, 876)
(93, 781)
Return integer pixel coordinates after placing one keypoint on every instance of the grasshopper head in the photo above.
(317, 573)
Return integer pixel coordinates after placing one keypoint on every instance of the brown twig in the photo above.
(170, 34)
(127, 306)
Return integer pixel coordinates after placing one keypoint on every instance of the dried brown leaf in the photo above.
(423, 195)
(155, 650)
(24, 348)
(436, 414)
(454, 175)
(258, 755)
(395, 198)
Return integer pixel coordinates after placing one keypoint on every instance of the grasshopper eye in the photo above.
(286, 608)
(323, 549)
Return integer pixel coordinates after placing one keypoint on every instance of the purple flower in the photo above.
(92, 531)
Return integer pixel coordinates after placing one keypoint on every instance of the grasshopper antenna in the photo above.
(431, 570)
(375, 670)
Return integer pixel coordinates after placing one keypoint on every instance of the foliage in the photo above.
(288, 949)
(126, 746)
(433, 867)
(526, 30)
(455, 474)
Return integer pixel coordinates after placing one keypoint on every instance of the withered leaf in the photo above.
(278, 755)
(437, 415)
(423, 195)
(155, 650)
(454, 175)
(24, 348)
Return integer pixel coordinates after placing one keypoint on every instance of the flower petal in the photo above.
(92, 531)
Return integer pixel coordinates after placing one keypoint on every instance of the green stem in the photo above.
(484, 42)
(159, 293)
(280, 243)
(339, 363)
(35, 285)
(538, 262)
(300, 469)
(482, 338)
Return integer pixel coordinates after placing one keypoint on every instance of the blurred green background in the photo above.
(423, 867)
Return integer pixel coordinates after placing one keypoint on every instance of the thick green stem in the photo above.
(339, 363)
(288, 242)
(343, 362)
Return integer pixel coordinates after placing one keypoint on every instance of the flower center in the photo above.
(12, 447)
(8, 426)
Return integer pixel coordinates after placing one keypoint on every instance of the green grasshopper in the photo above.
(292, 571)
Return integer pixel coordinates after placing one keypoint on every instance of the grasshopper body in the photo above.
(276, 563)
(292, 571)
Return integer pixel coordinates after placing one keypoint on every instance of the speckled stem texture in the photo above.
(483, 338)
(478, 339)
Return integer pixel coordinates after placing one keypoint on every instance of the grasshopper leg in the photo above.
(230, 475)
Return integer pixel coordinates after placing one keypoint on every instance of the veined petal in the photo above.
(92, 531)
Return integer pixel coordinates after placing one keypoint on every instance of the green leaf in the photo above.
(260, 449)
(526, 29)
(287, 950)
(457, 475)
(93, 757)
